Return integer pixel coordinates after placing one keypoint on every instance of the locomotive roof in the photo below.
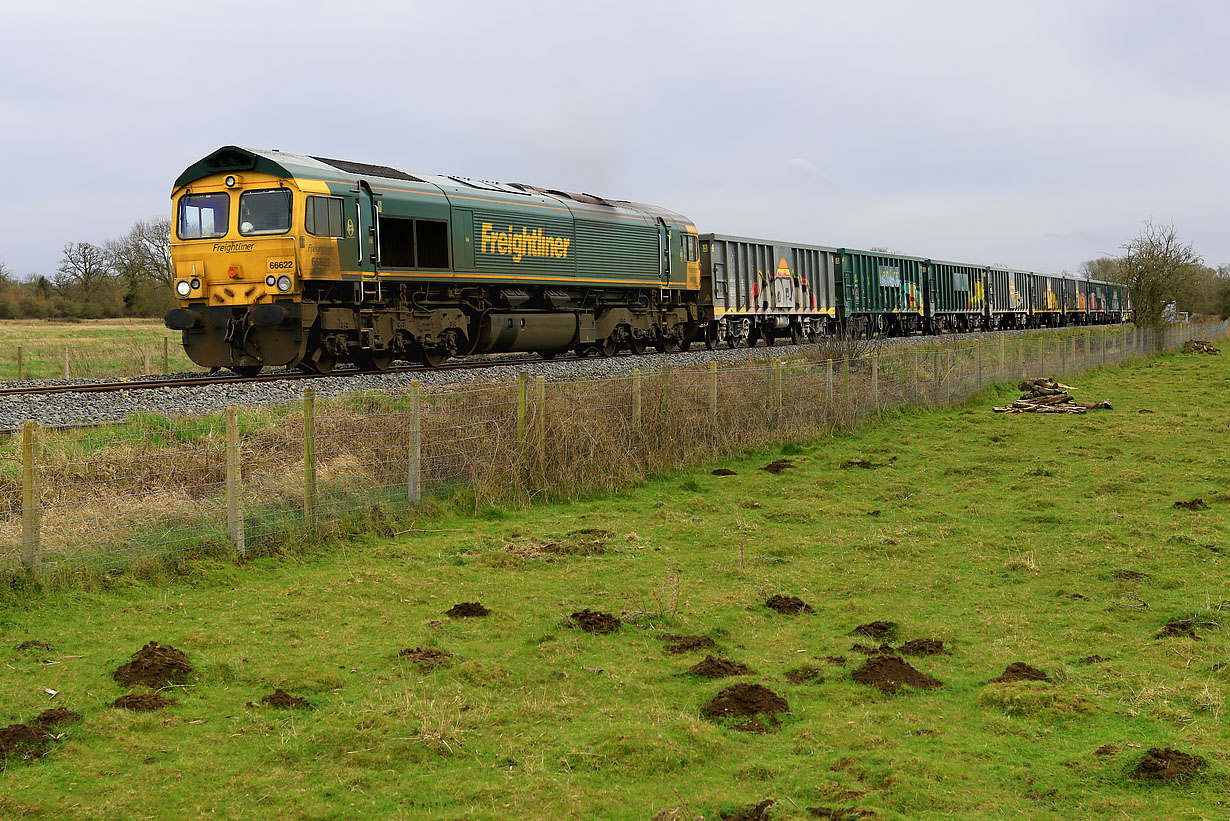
(288, 165)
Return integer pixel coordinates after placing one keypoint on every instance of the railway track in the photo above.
(283, 376)
(278, 376)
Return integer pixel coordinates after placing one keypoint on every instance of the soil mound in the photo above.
(1194, 504)
(713, 667)
(805, 675)
(57, 716)
(280, 698)
(592, 621)
(1167, 765)
(838, 813)
(891, 673)
(859, 463)
(23, 741)
(142, 702)
(1128, 575)
(743, 701)
(1092, 660)
(1106, 749)
(1184, 628)
(840, 661)
(425, 657)
(687, 644)
(154, 665)
(923, 647)
(882, 650)
(467, 609)
(877, 630)
(32, 644)
(754, 812)
(1020, 671)
(790, 605)
(724, 472)
(778, 466)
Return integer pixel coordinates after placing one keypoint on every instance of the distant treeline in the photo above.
(127, 276)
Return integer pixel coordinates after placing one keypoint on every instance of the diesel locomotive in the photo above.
(285, 259)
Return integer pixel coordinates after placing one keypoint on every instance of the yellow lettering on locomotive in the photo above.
(527, 242)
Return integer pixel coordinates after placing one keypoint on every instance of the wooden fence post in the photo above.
(778, 367)
(66, 363)
(1072, 360)
(31, 503)
(948, 379)
(1002, 373)
(637, 414)
(414, 467)
(234, 483)
(1042, 356)
(713, 388)
(523, 388)
(540, 416)
(166, 354)
(1103, 348)
(978, 349)
(875, 381)
(666, 390)
(19, 374)
(914, 360)
(935, 374)
(309, 458)
(829, 383)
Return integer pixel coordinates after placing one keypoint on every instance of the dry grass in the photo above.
(160, 484)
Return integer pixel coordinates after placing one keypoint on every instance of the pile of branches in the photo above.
(1199, 346)
(1044, 395)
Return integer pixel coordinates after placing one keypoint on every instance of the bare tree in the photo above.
(144, 253)
(6, 273)
(1105, 269)
(1159, 269)
(83, 264)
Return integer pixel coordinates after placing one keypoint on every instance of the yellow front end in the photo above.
(240, 248)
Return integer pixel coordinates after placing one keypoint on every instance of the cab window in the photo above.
(690, 253)
(324, 217)
(264, 212)
(203, 216)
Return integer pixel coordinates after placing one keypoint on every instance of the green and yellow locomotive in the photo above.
(283, 259)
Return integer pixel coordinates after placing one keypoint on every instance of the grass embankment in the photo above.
(1009, 538)
(96, 348)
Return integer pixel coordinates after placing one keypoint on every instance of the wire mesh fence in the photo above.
(253, 479)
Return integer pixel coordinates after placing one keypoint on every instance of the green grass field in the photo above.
(1009, 538)
(96, 348)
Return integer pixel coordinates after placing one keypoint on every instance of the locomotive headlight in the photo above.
(231, 181)
(183, 288)
(284, 283)
(196, 283)
(269, 280)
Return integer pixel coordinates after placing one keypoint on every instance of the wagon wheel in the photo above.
(711, 340)
(796, 334)
(637, 345)
(246, 370)
(546, 354)
(607, 347)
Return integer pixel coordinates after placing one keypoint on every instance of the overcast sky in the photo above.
(1033, 133)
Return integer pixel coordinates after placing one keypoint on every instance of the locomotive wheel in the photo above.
(546, 354)
(796, 335)
(433, 357)
(374, 360)
(322, 364)
(711, 341)
(607, 347)
(246, 370)
(638, 346)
